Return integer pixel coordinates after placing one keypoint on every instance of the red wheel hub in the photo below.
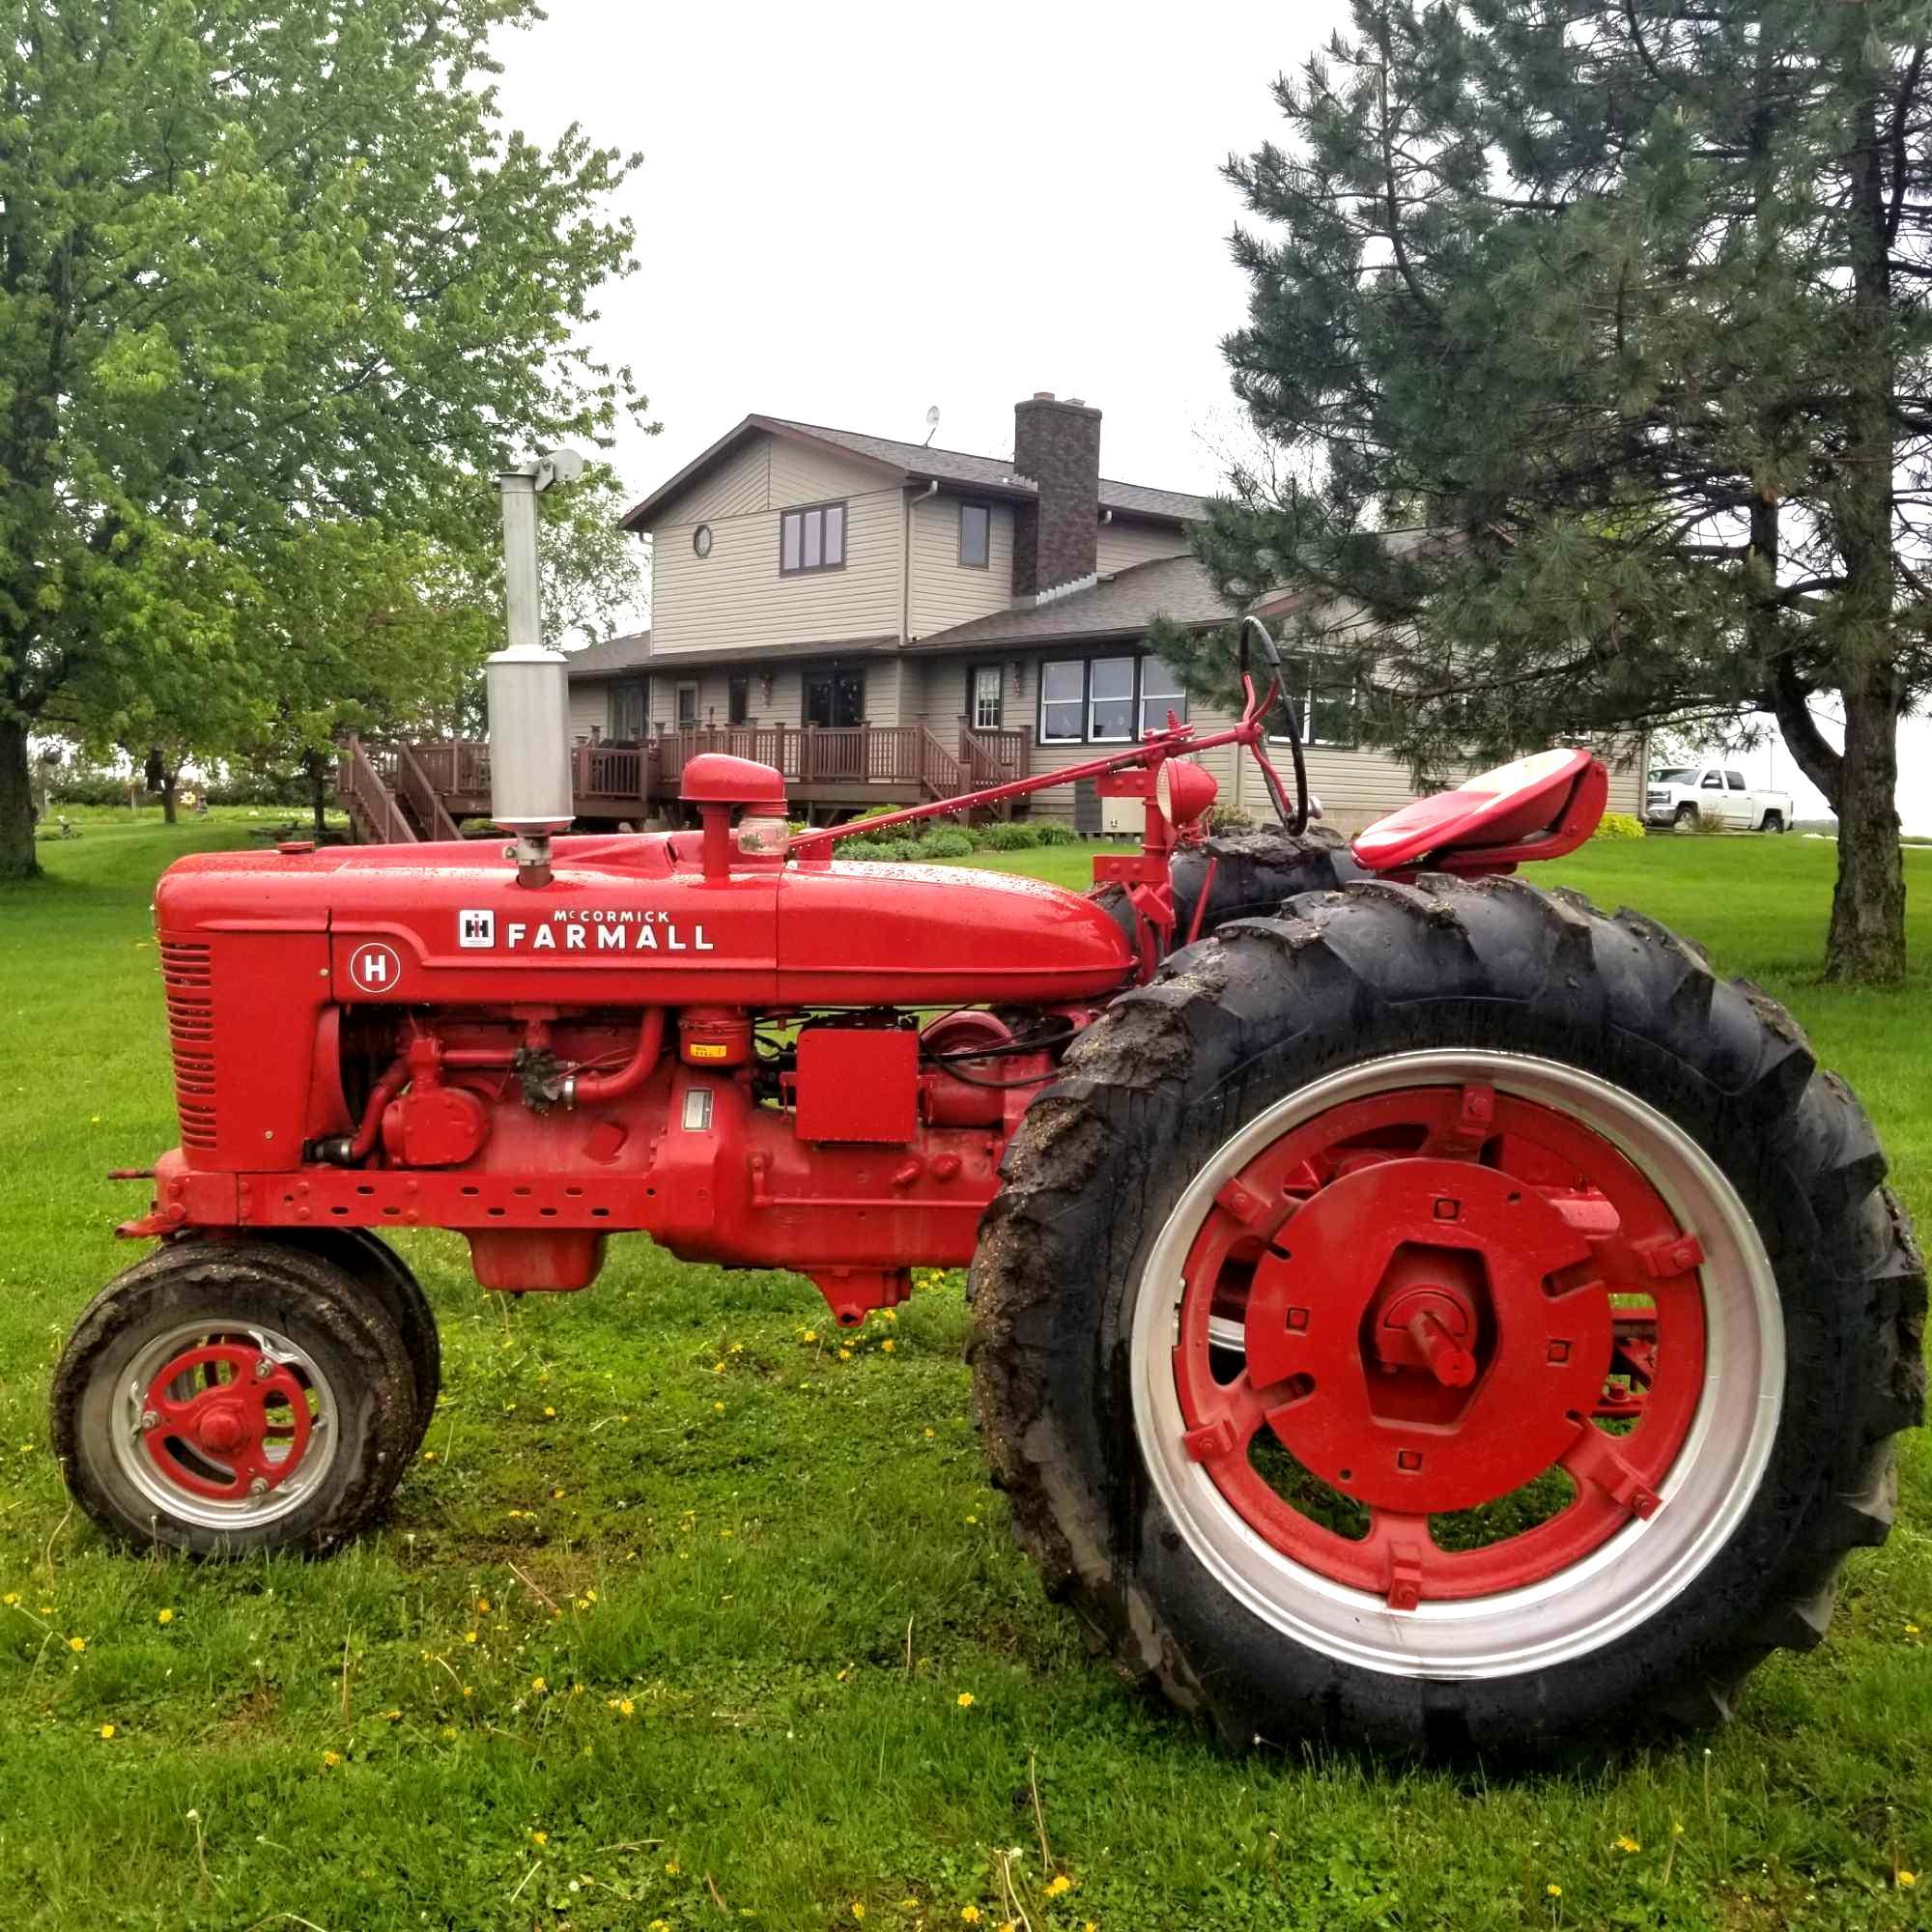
(225, 1421)
(1441, 1291)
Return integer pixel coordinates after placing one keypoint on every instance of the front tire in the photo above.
(228, 1396)
(1338, 1344)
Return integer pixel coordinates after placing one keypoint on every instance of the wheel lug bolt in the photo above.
(263, 1368)
(149, 1418)
(259, 1487)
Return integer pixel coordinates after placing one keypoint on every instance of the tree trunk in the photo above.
(17, 805)
(316, 769)
(1866, 940)
(169, 782)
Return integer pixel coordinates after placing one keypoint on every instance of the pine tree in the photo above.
(1616, 307)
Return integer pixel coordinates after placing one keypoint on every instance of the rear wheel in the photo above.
(227, 1397)
(1449, 1316)
(1773, 821)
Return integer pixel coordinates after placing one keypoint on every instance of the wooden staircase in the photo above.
(389, 796)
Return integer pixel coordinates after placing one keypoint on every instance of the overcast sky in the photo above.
(849, 214)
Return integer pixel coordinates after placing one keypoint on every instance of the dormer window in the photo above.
(976, 534)
(812, 539)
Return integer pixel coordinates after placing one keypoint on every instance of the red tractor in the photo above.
(1408, 1303)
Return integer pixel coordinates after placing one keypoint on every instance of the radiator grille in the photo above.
(188, 977)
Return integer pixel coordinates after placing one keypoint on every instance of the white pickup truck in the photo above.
(1681, 794)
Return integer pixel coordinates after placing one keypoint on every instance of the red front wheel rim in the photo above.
(1439, 1342)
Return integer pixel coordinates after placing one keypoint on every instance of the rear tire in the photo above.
(227, 1397)
(1685, 1095)
(1773, 821)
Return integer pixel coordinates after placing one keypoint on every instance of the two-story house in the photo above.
(889, 622)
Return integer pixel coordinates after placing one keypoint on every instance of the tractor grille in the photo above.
(188, 977)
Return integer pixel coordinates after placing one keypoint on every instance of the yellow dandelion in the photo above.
(970, 1914)
(11, 1598)
(449, 1732)
(858, 1908)
(1058, 1886)
(1554, 1890)
(591, 1596)
(468, 1692)
(550, 1411)
(469, 1637)
(556, 1495)
(76, 1643)
(331, 1760)
(1908, 1879)
(965, 1700)
(717, 1368)
(582, 1603)
(537, 1684)
(539, 1837)
(844, 1354)
(394, 1717)
(660, 1925)
(673, 1867)
(1625, 1843)
(1911, 1629)
(930, 1433)
(627, 1709)
(164, 1616)
(908, 1904)
(107, 1730)
(887, 1345)
(482, 1607)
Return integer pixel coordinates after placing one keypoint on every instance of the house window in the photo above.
(1106, 700)
(687, 704)
(1062, 702)
(975, 530)
(985, 697)
(738, 698)
(813, 539)
(835, 697)
(1110, 701)
(1323, 695)
(1160, 694)
(628, 707)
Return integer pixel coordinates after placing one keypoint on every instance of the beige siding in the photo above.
(1122, 545)
(805, 475)
(943, 592)
(736, 596)
(740, 483)
(589, 709)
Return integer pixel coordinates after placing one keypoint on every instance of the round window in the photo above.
(701, 539)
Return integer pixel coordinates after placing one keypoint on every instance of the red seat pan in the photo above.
(1534, 808)
(717, 778)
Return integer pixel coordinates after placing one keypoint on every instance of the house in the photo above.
(889, 622)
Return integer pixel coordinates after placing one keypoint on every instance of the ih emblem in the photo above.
(476, 928)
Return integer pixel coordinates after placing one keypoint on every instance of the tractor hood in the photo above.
(631, 919)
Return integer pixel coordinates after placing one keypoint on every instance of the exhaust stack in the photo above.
(525, 688)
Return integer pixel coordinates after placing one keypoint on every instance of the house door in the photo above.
(630, 706)
(985, 697)
(834, 697)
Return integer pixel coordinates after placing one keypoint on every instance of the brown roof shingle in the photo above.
(1120, 606)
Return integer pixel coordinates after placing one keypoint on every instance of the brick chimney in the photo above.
(1055, 537)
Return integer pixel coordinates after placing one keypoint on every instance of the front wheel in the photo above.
(1447, 1316)
(227, 1397)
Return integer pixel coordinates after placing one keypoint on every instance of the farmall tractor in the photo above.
(1408, 1304)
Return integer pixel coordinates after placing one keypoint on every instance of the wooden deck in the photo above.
(398, 792)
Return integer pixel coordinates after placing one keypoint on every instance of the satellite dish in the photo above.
(931, 422)
(558, 466)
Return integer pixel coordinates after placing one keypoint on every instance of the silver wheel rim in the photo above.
(184, 1505)
(1621, 1582)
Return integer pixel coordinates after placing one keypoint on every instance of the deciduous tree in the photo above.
(266, 276)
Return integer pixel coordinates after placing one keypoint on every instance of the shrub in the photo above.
(1052, 833)
(1710, 822)
(1011, 837)
(948, 844)
(890, 849)
(1618, 825)
(1229, 818)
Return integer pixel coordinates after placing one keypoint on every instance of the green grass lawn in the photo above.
(697, 1613)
